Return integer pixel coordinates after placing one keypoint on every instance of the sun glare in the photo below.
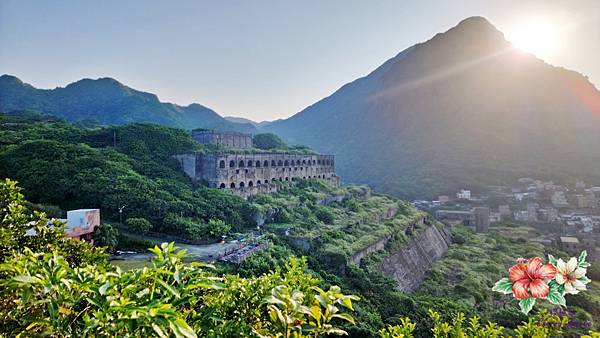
(535, 37)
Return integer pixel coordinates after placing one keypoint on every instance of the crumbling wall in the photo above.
(410, 263)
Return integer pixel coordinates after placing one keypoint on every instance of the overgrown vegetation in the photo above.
(112, 168)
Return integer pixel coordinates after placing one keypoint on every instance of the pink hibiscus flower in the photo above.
(530, 276)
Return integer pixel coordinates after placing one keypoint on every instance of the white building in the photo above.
(464, 194)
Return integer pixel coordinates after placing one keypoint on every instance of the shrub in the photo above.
(268, 141)
(139, 225)
(106, 235)
(324, 215)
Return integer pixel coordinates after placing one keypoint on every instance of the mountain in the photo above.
(107, 101)
(464, 109)
(261, 124)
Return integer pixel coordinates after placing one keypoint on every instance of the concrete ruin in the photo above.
(250, 173)
(229, 139)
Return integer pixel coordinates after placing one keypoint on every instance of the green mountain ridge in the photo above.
(106, 101)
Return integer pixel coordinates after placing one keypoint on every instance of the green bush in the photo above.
(268, 141)
(139, 225)
(106, 235)
(324, 215)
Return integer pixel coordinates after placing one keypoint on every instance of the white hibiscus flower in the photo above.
(569, 274)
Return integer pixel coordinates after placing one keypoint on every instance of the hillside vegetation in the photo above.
(60, 165)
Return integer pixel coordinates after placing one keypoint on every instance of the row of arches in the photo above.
(273, 163)
(242, 184)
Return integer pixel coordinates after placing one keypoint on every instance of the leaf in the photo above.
(503, 286)
(168, 287)
(64, 310)
(526, 304)
(182, 329)
(159, 331)
(102, 290)
(26, 279)
(584, 280)
(345, 316)
(555, 296)
(582, 257)
(552, 260)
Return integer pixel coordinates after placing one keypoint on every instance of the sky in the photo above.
(264, 60)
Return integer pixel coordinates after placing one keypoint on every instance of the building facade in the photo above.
(255, 173)
(229, 139)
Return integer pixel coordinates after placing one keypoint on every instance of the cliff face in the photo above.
(409, 264)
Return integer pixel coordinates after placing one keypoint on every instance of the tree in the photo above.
(106, 235)
(268, 141)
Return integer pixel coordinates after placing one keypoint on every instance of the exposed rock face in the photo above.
(409, 265)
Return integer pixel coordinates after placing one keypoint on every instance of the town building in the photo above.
(570, 245)
(504, 211)
(464, 194)
(478, 217)
(559, 200)
(81, 223)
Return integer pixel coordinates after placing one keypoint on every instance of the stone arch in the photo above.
(258, 182)
(293, 164)
(319, 162)
(303, 161)
(265, 163)
(314, 162)
(273, 164)
(273, 179)
(232, 185)
(242, 184)
(231, 164)
(222, 164)
(287, 178)
(257, 164)
(280, 179)
(279, 163)
(222, 186)
(250, 184)
(286, 163)
(241, 164)
(250, 163)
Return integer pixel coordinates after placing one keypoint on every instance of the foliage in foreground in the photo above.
(44, 291)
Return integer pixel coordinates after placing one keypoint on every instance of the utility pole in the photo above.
(121, 214)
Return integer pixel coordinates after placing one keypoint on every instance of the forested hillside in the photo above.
(60, 165)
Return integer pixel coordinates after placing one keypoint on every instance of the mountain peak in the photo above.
(6, 78)
(476, 22)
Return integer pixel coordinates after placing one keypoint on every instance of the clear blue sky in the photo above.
(257, 59)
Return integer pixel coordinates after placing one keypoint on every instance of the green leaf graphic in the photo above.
(526, 304)
(504, 286)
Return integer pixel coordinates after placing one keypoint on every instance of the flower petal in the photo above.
(579, 272)
(579, 285)
(561, 267)
(517, 272)
(570, 289)
(560, 278)
(539, 288)
(520, 289)
(532, 266)
(572, 264)
(546, 271)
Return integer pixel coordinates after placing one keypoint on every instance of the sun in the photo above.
(539, 38)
